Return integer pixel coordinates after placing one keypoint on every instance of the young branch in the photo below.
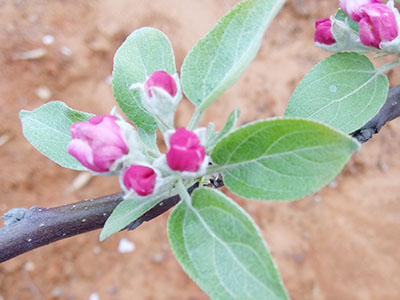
(27, 229)
(389, 111)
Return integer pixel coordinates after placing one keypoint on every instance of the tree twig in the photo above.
(389, 111)
(27, 229)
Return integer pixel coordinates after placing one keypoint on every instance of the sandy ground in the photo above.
(341, 243)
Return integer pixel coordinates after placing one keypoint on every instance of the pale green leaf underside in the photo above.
(220, 248)
(126, 212)
(218, 60)
(47, 129)
(149, 138)
(281, 159)
(145, 51)
(344, 91)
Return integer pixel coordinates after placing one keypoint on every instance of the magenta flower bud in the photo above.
(186, 153)
(96, 144)
(163, 80)
(378, 24)
(140, 178)
(353, 7)
(323, 32)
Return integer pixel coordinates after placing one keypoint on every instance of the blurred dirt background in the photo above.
(341, 243)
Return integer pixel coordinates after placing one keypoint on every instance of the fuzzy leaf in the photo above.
(145, 51)
(344, 91)
(47, 129)
(281, 159)
(221, 249)
(126, 212)
(148, 137)
(218, 60)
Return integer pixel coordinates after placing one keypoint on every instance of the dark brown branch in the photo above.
(389, 112)
(27, 229)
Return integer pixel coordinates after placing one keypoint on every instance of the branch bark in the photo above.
(389, 111)
(27, 229)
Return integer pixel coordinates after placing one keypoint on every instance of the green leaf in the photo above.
(218, 60)
(281, 159)
(149, 138)
(344, 91)
(228, 128)
(126, 212)
(145, 51)
(47, 129)
(221, 249)
(342, 16)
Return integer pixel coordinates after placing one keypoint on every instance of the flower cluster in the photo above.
(377, 23)
(107, 145)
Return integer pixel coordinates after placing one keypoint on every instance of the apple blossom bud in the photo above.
(160, 95)
(323, 32)
(140, 178)
(163, 80)
(353, 7)
(97, 143)
(186, 153)
(378, 24)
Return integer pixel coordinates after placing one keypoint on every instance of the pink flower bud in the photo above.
(378, 24)
(353, 7)
(323, 32)
(163, 80)
(96, 144)
(186, 153)
(140, 178)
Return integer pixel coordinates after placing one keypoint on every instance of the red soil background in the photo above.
(341, 243)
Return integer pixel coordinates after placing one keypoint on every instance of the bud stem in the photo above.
(183, 193)
(387, 67)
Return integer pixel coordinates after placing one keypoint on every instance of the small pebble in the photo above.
(333, 184)
(316, 199)
(96, 249)
(30, 55)
(79, 182)
(57, 292)
(4, 139)
(66, 51)
(109, 79)
(29, 266)
(125, 246)
(43, 93)
(32, 18)
(48, 39)
(383, 166)
(158, 258)
(94, 296)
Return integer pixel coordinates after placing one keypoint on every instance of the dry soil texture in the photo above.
(341, 243)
